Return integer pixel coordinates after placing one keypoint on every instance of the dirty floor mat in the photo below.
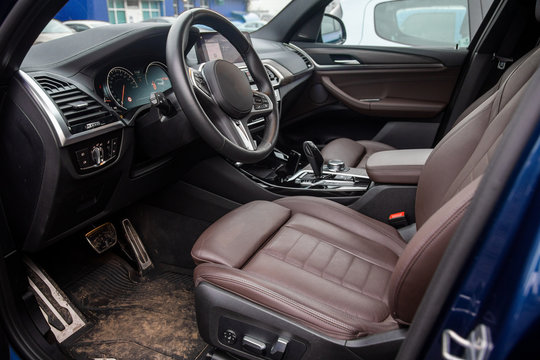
(133, 319)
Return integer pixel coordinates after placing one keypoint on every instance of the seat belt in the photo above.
(504, 56)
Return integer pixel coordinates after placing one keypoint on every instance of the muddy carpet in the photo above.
(134, 319)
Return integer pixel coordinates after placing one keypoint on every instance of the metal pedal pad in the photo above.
(141, 256)
(61, 315)
(102, 238)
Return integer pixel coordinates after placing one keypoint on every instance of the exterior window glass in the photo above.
(151, 9)
(422, 23)
(116, 11)
(402, 23)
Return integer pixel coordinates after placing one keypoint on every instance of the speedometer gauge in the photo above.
(122, 87)
(157, 77)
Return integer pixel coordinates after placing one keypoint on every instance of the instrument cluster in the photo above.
(128, 88)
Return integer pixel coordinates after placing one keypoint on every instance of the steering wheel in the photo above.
(217, 98)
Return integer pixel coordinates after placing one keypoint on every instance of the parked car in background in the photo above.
(403, 23)
(54, 30)
(81, 25)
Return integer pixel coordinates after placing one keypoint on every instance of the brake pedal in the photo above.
(102, 238)
(141, 256)
(64, 319)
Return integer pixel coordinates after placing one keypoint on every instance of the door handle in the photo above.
(347, 61)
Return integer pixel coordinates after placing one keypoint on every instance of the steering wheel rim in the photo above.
(224, 132)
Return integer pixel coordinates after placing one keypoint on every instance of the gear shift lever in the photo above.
(314, 157)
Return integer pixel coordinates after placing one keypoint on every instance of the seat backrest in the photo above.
(449, 180)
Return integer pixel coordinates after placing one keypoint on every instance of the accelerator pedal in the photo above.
(102, 238)
(139, 251)
(64, 319)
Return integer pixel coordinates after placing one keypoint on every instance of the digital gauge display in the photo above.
(156, 76)
(127, 89)
(122, 87)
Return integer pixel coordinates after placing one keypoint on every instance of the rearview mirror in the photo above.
(332, 30)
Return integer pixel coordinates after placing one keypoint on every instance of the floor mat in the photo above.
(152, 319)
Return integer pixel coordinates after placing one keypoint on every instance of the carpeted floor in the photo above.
(133, 319)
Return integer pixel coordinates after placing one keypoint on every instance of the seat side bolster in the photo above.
(234, 238)
(282, 300)
(418, 263)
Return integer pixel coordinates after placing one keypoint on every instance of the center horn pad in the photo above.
(230, 88)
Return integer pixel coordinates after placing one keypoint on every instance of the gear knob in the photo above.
(314, 157)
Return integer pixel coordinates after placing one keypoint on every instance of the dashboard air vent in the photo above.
(81, 111)
(306, 60)
(273, 77)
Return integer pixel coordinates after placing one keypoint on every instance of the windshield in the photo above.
(55, 26)
(247, 15)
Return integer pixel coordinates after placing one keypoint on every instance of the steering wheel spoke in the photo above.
(262, 106)
(199, 84)
(244, 135)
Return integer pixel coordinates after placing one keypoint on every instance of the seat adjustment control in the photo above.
(278, 349)
(253, 345)
(229, 337)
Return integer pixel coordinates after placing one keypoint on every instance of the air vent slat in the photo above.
(80, 111)
(73, 98)
(69, 113)
(85, 118)
(304, 58)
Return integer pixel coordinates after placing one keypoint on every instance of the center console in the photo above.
(288, 174)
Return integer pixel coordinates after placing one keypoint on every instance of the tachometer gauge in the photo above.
(157, 77)
(122, 87)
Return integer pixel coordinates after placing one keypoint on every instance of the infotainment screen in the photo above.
(213, 46)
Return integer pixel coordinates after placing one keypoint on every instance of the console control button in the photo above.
(229, 337)
(336, 165)
(253, 345)
(82, 158)
(97, 153)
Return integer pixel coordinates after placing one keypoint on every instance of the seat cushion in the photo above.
(327, 266)
(352, 153)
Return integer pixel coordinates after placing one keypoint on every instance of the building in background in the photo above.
(129, 11)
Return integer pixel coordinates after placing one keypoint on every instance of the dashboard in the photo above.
(81, 106)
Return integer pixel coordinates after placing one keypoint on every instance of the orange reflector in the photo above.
(397, 215)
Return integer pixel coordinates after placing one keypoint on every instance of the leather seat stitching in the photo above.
(363, 220)
(269, 253)
(346, 250)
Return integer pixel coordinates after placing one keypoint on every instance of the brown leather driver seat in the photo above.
(342, 274)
